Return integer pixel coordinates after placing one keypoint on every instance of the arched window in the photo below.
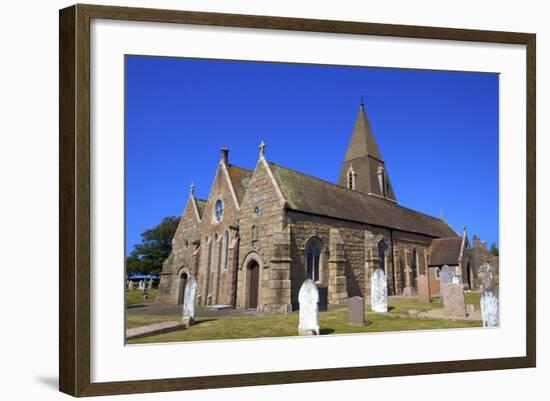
(382, 180)
(313, 259)
(225, 249)
(382, 247)
(351, 178)
(255, 233)
(414, 266)
(218, 210)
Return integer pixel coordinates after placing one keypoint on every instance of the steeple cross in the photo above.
(262, 148)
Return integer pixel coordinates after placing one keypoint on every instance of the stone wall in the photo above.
(184, 245)
(261, 235)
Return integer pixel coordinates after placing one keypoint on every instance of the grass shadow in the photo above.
(325, 331)
(196, 322)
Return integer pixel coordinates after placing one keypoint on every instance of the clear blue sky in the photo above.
(437, 131)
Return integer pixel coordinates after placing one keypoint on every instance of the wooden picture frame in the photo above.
(74, 203)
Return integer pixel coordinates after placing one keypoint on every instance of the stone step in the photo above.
(155, 328)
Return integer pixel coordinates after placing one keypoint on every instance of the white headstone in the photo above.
(489, 308)
(189, 297)
(150, 284)
(379, 291)
(131, 286)
(308, 297)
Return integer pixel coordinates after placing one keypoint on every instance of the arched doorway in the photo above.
(253, 283)
(181, 289)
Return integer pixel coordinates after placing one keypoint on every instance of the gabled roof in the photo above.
(201, 203)
(240, 178)
(312, 195)
(445, 251)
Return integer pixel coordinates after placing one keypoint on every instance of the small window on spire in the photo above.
(382, 181)
(351, 178)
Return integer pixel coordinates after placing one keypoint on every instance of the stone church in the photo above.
(261, 233)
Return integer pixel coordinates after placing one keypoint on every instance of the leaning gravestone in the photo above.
(423, 286)
(445, 277)
(486, 276)
(379, 291)
(489, 308)
(454, 306)
(189, 299)
(356, 310)
(308, 297)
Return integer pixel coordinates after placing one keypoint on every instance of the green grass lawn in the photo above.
(332, 322)
(136, 297)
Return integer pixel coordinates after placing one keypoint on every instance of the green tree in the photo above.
(156, 245)
(494, 249)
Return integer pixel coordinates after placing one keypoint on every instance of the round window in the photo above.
(218, 210)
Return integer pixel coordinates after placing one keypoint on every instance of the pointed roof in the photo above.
(201, 203)
(364, 159)
(362, 142)
(305, 193)
(240, 178)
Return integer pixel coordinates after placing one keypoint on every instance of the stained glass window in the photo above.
(218, 210)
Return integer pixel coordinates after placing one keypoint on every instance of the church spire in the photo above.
(370, 173)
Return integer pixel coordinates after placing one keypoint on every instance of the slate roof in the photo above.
(445, 251)
(201, 203)
(240, 178)
(312, 195)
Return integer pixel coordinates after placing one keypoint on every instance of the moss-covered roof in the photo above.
(312, 195)
(445, 251)
(201, 203)
(240, 178)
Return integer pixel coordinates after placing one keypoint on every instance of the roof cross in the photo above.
(262, 148)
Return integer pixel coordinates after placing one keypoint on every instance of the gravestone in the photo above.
(379, 291)
(445, 277)
(131, 286)
(489, 308)
(423, 286)
(454, 306)
(486, 276)
(356, 310)
(150, 284)
(141, 287)
(308, 297)
(189, 299)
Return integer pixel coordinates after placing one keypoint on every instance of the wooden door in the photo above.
(254, 285)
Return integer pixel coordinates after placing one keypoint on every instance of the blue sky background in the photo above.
(437, 132)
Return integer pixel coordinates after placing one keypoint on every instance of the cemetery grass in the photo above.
(136, 297)
(332, 322)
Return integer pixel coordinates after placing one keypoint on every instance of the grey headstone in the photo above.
(489, 308)
(189, 299)
(379, 291)
(356, 310)
(486, 276)
(308, 297)
(150, 284)
(454, 306)
(445, 277)
(131, 286)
